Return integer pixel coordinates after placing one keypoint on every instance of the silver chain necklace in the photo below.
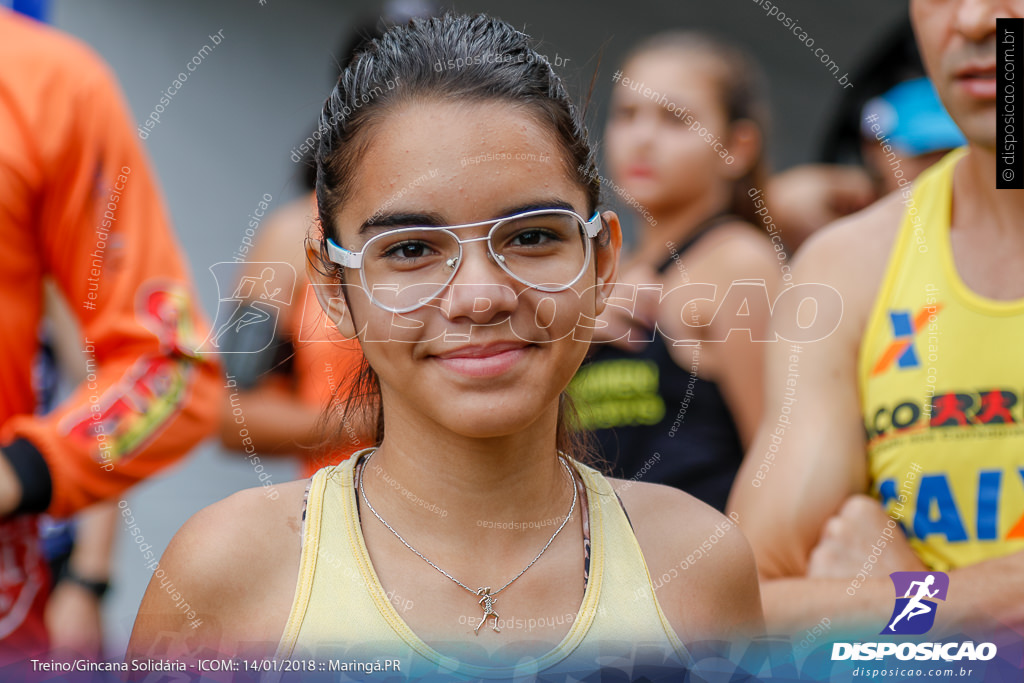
(487, 598)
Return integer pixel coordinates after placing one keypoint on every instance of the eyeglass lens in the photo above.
(403, 267)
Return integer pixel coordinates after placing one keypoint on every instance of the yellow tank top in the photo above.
(341, 611)
(941, 374)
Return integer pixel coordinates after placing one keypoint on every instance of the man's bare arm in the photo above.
(809, 456)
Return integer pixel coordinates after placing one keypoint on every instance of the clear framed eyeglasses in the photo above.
(402, 269)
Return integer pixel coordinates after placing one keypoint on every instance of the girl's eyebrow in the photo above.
(534, 206)
(398, 219)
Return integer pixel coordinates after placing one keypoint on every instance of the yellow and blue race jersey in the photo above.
(941, 376)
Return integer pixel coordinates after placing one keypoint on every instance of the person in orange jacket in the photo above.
(79, 206)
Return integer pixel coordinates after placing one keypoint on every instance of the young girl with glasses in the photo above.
(470, 542)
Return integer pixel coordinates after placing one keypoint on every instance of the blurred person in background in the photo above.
(79, 205)
(856, 168)
(284, 388)
(905, 450)
(681, 413)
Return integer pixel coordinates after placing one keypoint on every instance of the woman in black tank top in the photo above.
(684, 149)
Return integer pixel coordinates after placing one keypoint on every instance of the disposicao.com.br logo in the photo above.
(914, 614)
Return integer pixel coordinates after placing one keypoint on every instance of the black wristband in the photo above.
(97, 588)
(34, 474)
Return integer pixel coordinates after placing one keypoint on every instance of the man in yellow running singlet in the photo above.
(897, 443)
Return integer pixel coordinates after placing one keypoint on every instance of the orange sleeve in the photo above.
(105, 238)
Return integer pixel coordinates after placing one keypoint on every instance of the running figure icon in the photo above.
(487, 603)
(916, 606)
(917, 595)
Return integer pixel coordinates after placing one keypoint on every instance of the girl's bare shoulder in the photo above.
(701, 565)
(252, 537)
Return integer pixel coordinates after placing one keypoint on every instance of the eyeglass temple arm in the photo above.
(342, 256)
(594, 225)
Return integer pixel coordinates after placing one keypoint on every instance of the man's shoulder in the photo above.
(863, 239)
(852, 255)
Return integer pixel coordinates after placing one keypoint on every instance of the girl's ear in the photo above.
(329, 292)
(608, 247)
(745, 147)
